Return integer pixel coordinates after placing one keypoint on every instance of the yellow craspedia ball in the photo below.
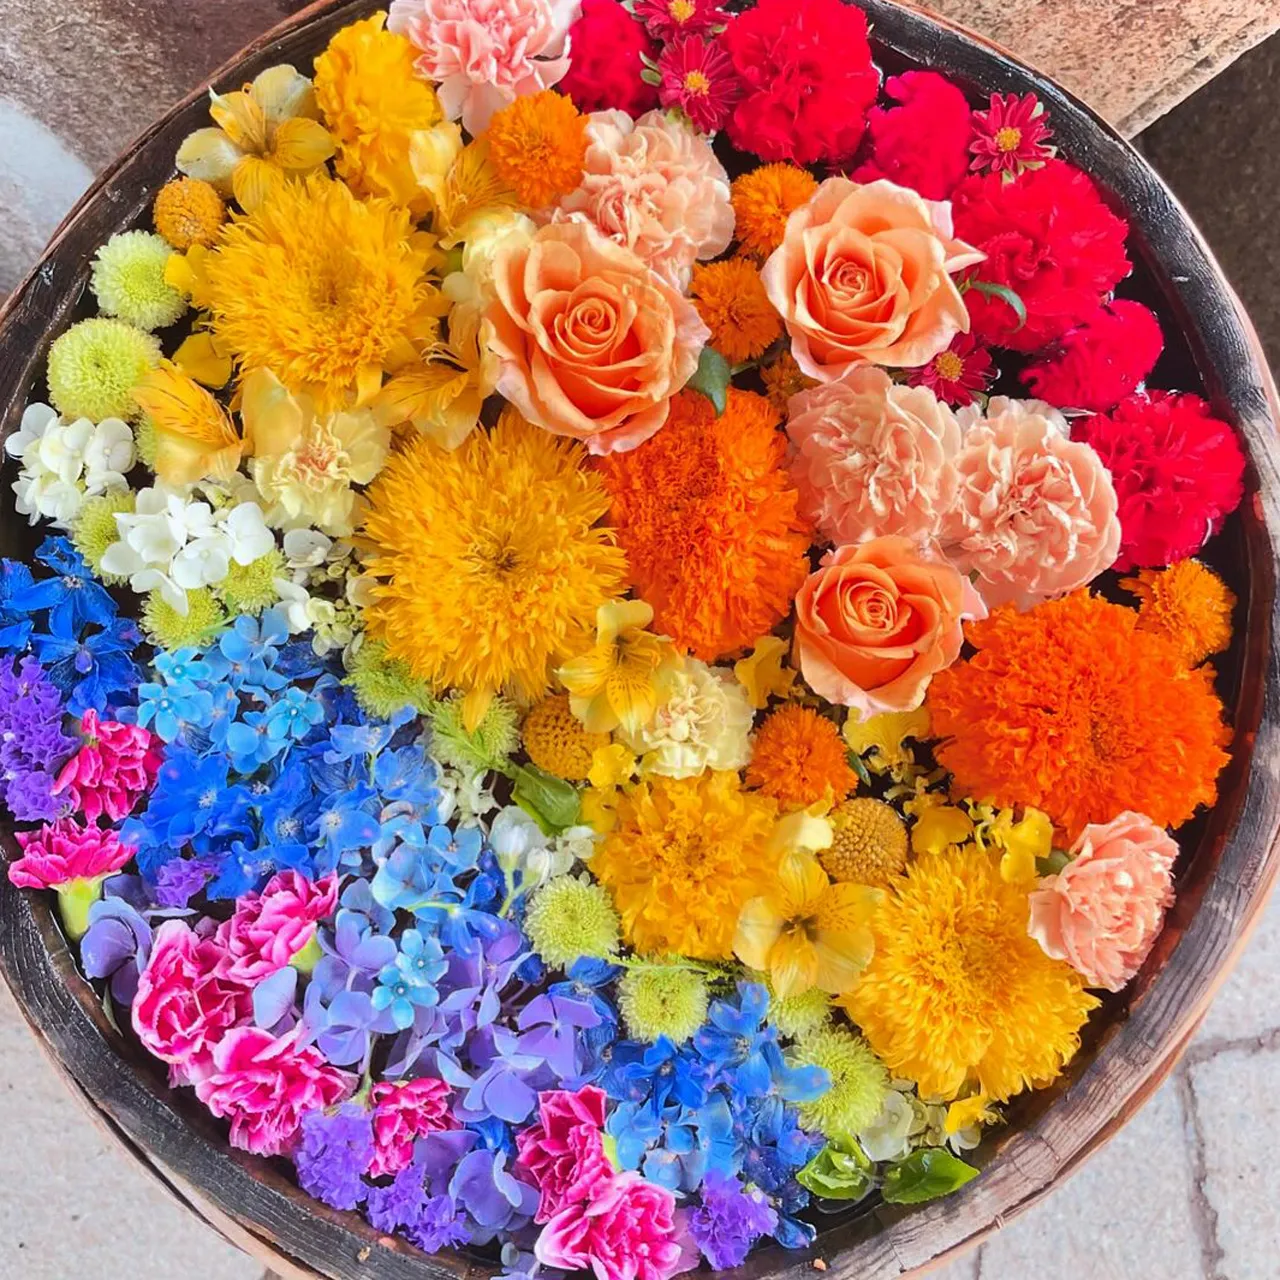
(189, 211)
(94, 367)
(869, 845)
(557, 742)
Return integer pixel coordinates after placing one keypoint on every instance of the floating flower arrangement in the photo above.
(618, 653)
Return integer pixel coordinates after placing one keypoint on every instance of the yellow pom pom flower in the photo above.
(557, 741)
(382, 685)
(859, 1081)
(659, 999)
(189, 211)
(128, 281)
(95, 366)
(571, 917)
(95, 529)
(537, 146)
(1187, 604)
(168, 629)
(869, 843)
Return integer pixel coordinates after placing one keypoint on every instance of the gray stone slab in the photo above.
(1249, 1003)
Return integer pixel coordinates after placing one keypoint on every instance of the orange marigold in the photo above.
(783, 379)
(1187, 604)
(763, 201)
(538, 146)
(706, 513)
(799, 758)
(1072, 709)
(733, 304)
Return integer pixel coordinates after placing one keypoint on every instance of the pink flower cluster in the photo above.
(269, 928)
(115, 765)
(59, 852)
(403, 1111)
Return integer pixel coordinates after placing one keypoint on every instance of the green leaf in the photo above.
(551, 802)
(651, 75)
(1054, 863)
(925, 1175)
(711, 378)
(836, 1174)
(1005, 294)
(857, 765)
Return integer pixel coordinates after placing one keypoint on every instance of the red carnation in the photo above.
(1049, 238)
(698, 77)
(924, 142)
(808, 80)
(1177, 470)
(957, 374)
(1096, 365)
(667, 20)
(607, 48)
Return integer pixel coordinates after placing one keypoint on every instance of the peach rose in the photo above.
(592, 344)
(1103, 911)
(871, 457)
(1035, 513)
(863, 276)
(876, 621)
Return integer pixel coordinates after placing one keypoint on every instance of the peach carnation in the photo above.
(655, 187)
(484, 54)
(1103, 911)
(863, 276)
(1035, 514)
(872, 457)
(592, 344)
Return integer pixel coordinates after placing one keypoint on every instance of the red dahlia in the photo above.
(808, 80)
(956, 374)
(1011, 135)
(607, 47)
(1177, 470)
(666, 20)
(1049, 238)
(698, 77)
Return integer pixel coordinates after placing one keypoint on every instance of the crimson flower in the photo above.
(958, 373)
(1010, 135)
(698, 77)
(667, 20)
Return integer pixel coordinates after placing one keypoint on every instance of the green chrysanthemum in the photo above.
(569, 918)
(799, 1015)
(168, 629)
(662, 1000)
(384, 685)
(128, 281)
(494, 739)
(94, 367)
(859, 1081)
(250, 588)
(95, 529)
(144, 441)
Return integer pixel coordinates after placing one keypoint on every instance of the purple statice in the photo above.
(334, 1153)
(441, 1225)
(179, 880)
(400, 1204)
(32, 743)
(729, 1220)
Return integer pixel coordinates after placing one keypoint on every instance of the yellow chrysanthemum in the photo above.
(763, 200)
(869, 843)
(375, 102)
(194, 436)
(732, 302)
(325, 290)
(491, 559)
(538, 146)
(189, 211)
(1187, 604)
(958, 992)
(557, 741)
(682, 857)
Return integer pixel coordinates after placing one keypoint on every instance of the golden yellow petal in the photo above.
(801, 830)
(793, 965)
(587, 674)
(241, 119)
(763, 673)
(886, 733)
(195, 437)
(939, 826)
(301, 145)
(281, 92)
(841, 958)
(595, 712)
(474, 706)
(253, 180)
(210, 155)
(274, 420)
(368, 383)
(803, 882)
(617, 616)
(432, 153)
(632, 696)
(199, 358)
(759, 927)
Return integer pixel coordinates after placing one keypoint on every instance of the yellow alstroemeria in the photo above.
(611, 767)
(195, 437)
(804, 831)
(616, 681)
(966, 1113)
(764, 673)
(188, 273)
(884, 736)
(464, 186)
(261, 134)
(1020, 843)
(806, 932)
(938, 826)
(199, 356)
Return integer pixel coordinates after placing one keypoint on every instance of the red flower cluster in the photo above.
(1177, 470)
(609, 47)
(1012, 135)
(699, 78)
(1050, 239)
(958, 374)
(1099, 363)
(667, 20)
(922, 143)
(807, 77)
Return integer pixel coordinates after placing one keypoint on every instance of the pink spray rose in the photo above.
(265, 1084)
(404, 1111)
(59, 852)
(626, 1231)
(271, 927)
(183, 1007)
(115, 765)
(1103, 911)
(564, 1151)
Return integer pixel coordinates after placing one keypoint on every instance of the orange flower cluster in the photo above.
(538, 145)
(799, 759)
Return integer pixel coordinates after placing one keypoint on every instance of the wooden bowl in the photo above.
(1230, 855)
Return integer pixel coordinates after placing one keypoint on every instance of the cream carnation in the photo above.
(872, 458)
(655, 187)
(1035, 513)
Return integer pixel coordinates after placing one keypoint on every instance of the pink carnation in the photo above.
(1103, 911)
(872, 457)
(271, 927)
(59, 852)
(484, 54)
(183, 1007)
(402, 1112)
(1035, 513)
(265, 1084)
(626, 1231)
(116, 764)
(564, 1151)
(655, 187)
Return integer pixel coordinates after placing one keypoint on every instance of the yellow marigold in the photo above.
(682, 857)
(374, 103)
(783, 379)
(325, 290)
(538, 145)
(869, 843)
(1187, 604)
(733, 304)
(188, 211)
(491, 560)
(195, 437)
(556, 740)
(958, 990)
(763, 200)
(706, 512)
(1071, 709)
(799, 759)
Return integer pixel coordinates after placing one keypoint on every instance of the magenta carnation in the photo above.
(403, 1111)
(114, 766)
(271, 927)
(564, 1151)
(607, 48)
(59, 852)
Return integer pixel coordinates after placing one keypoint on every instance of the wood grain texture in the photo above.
(1223, 880)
